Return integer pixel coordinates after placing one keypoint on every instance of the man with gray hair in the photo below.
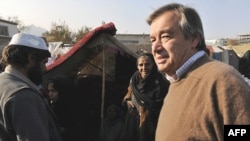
(205, 95)
(25, 114)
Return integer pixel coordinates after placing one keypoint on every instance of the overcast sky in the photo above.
(221, 18)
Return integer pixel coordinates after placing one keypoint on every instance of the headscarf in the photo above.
(151, 90)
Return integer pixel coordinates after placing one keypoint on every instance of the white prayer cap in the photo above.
(28, 40)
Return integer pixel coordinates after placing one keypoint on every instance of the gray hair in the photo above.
(190, 22)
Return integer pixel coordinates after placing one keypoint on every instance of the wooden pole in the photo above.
(103, 86)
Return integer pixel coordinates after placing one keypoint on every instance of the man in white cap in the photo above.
(25, 114)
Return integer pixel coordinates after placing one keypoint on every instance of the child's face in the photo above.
(52, 92)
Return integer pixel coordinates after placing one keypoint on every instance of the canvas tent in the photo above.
(87, 53)
(96, 54)
(101, 68)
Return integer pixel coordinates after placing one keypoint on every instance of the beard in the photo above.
(35, 74)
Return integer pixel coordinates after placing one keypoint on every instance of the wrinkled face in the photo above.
(52, 93)
(169, 46)
(144, 65)
(36, 72)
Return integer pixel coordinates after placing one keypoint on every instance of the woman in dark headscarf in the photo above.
(144, 99)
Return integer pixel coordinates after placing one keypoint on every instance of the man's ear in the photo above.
(195, 40)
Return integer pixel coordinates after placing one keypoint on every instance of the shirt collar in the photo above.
(184, 68)
(18, 74)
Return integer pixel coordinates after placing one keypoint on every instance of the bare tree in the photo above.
(81, 33)
(59, 32)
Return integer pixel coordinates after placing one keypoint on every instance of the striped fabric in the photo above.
(184, 68)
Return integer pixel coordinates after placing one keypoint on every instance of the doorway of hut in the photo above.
(94, 96)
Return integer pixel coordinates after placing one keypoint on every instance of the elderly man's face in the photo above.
(169, 46)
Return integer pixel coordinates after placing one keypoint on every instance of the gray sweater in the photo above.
(24, 112)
